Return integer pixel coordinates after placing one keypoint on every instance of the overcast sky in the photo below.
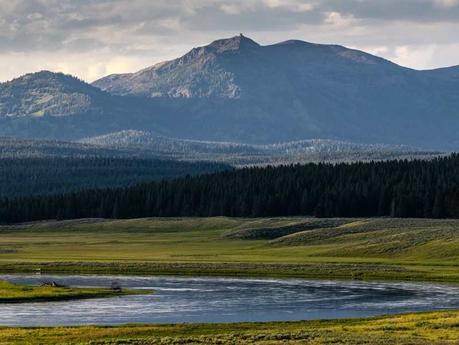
(93, 38)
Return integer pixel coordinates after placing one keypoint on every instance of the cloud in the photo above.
(338, 20)
(446, 3)
(293, 5)
(393, 10)
(93, 38)
(80, 64)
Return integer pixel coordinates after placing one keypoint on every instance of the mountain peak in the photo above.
(233, 43)
(40, 75)
(45, 76)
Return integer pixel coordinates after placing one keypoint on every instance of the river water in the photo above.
(213, 299)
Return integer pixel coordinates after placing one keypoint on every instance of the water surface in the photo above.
(190, 299)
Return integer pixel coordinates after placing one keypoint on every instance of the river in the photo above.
(214, 299)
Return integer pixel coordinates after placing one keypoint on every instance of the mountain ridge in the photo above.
(239, 154)
(121, 84)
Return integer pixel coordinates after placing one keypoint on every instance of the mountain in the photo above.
(296, 90)
(235, 90)
(239, 68)
(47, 94)
(49, 105)
(200, 73)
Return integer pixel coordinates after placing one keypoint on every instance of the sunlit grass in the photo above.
(409, 329)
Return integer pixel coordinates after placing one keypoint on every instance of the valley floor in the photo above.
(375, 248)
(401, 249)
(439, 328)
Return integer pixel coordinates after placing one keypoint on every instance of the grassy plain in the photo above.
(378, 248)
(14, 293)
(439, 328)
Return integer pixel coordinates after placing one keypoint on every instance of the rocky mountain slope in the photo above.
(200, 73)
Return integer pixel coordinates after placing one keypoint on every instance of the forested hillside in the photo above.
(393, 188)
(57, 175)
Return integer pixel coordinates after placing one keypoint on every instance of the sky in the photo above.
(94, 38)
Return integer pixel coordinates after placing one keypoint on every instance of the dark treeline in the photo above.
(60, 175)
(392, 188)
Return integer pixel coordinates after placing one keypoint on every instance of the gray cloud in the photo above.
(93, 37)
(409, 10)
(257, 17)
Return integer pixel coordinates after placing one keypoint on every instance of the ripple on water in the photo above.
(200, 299)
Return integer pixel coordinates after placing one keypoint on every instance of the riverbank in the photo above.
(18, 293)
(437, 328)
(357, 271)
(369, 249)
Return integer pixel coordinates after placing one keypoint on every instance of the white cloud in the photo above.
(339, 20)
(295, 5)
(232, 8)
(416, 57)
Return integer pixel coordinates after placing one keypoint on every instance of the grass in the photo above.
(15, 293)
(405, 249)
(438, 328)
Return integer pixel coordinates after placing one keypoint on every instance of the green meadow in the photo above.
(375, 248)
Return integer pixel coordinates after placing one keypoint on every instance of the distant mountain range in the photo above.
(146, 145)
(235, 90)
(315, 150)
(11, 148)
